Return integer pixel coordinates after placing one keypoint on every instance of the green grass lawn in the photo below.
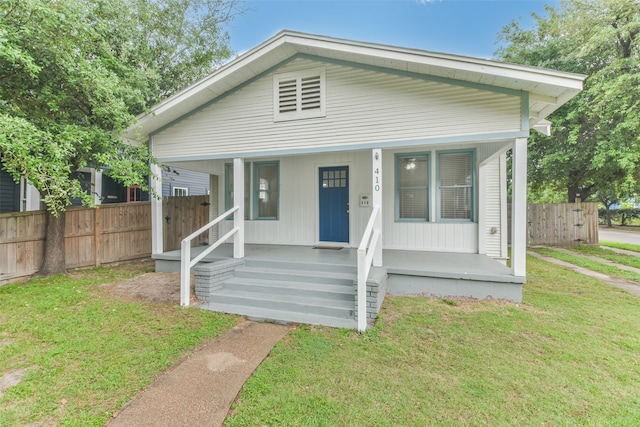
(87, 353)
(569, 355)
(618, 245)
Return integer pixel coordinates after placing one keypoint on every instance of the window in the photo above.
(456, 184)
(412, 187)
(134, 194)
(180, 191)
(263, 190)
(299, 95)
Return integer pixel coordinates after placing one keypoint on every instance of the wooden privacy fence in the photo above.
(564, 224)
(107, 234)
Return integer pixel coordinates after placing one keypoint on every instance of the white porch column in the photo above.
(519, 208)
(376, 156)
(238, 200)
(157, 244)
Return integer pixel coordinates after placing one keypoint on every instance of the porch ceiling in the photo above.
(547, 89)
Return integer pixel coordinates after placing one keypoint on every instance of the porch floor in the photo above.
(410, 263)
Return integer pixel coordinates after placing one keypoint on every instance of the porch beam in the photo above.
(157, 243)
(376, 157)
(238, 200)
(519, 208)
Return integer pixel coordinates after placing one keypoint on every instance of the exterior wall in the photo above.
(196, 182)
(298, 215)
(362, 107)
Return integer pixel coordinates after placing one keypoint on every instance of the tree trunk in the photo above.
(54, 246)
(608, 215)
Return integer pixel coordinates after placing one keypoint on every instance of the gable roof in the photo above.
(548, 89)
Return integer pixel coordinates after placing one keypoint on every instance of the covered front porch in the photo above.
(318, 285)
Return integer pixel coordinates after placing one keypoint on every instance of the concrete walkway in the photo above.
(200, 390)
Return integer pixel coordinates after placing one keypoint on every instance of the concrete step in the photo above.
(295, 275)
(256, 313)
(285, 303)
(294, 266)
(286, 287)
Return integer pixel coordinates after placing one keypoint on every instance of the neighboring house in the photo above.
(309, 136)
(22, 197)
(17, 196)
(184, 182)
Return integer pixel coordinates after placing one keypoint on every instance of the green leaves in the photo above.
(75, 73)
(595, 145)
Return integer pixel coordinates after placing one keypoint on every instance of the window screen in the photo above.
(266, 190)
(412, 187)
(456, 185)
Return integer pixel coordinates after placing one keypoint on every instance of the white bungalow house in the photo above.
(328, 156)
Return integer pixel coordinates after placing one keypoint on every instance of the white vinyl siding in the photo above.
(362, 107)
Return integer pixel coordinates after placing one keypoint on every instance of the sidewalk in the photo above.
(200, 390)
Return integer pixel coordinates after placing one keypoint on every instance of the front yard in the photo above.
(568, 355)
(80, 353)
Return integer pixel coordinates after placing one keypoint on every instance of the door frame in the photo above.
(317, 201)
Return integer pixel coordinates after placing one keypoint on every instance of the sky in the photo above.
(461, 27)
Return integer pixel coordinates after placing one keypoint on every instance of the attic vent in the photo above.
(299, 95)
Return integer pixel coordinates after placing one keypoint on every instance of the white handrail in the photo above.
(185, 254)
(370, 239)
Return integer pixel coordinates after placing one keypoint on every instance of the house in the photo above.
(342, 170)
(184, 182)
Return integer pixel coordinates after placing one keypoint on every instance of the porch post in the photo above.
(376, 155)
(157, 244)
(238, 200)
(519, 208)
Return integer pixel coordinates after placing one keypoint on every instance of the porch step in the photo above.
(284, 317)
(321, 294)
(290, 303)
(295, 275)
(286, 287)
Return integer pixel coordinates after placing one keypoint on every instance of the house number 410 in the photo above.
(376, 179)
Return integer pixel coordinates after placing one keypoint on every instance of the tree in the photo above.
(595, 144)
(75, 73)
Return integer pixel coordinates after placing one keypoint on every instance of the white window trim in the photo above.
(298, 76)
(183, 190)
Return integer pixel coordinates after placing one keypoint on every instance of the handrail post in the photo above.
(185, 272)
(238, 200)
(362, 290)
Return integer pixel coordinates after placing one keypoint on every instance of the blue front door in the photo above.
(334, 204)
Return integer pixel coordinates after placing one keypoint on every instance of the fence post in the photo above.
(97, 242)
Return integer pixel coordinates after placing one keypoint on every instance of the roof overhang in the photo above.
(547, 89)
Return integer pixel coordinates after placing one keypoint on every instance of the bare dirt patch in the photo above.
(162, 288)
